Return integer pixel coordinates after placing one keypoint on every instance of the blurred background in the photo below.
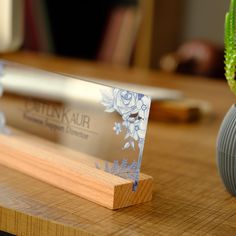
(182, 36)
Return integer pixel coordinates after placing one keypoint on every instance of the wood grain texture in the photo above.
(70, 170)
(189, 198)
(182, 110)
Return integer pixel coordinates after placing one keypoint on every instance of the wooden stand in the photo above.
(70, 170)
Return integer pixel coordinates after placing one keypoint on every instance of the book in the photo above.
(127, 36)
(120, 35)
(111, 34)
(37, 28)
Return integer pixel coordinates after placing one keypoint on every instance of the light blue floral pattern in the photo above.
(134, 110)
(117, 128)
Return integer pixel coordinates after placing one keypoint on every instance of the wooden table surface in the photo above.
(189, 198)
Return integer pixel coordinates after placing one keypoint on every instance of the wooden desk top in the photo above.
(189, 198)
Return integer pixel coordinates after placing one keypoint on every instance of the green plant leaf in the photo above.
(230, 46)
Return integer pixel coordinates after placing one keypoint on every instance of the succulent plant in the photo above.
(230, 46)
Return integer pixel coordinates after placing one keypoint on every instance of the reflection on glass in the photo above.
(104, 122)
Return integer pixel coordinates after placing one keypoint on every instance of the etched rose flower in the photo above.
(143, 107)
(125, 102)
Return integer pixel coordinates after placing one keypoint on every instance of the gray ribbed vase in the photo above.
(226, 150)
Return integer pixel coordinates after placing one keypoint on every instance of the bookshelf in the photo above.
(124, 32)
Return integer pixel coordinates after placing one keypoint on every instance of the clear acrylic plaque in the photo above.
(105, 122)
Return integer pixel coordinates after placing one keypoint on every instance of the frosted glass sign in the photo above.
(105, 122)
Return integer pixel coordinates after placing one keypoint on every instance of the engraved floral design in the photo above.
(117, 128)
(134, 110)
(125, 102)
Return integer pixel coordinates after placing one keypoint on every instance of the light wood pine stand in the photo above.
(69, 170)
